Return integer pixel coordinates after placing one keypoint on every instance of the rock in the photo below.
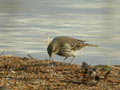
(19, 73)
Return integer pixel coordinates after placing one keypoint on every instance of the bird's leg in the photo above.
(51, 60)
(65, 59)
(72, 59)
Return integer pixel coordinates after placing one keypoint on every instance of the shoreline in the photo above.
(30, 74)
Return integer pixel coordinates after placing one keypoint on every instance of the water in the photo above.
(24, 25)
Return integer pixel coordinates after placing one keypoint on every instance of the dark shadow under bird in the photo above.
(65, 46)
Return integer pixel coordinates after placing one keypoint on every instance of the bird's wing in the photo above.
(66, 46)
(78, 44)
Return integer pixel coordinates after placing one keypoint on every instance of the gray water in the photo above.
(24, 25)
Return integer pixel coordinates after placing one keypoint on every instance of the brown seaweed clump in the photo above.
(21, 73)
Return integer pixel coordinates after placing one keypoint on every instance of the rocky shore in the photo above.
(22, 73)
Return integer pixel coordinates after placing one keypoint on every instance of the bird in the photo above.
(66, 46)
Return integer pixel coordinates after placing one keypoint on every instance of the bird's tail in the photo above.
(87, 44)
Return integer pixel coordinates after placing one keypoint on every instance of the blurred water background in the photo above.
(24, 25)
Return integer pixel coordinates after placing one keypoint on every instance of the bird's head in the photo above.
(53, 49)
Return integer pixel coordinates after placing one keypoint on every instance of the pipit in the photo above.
(65, 46)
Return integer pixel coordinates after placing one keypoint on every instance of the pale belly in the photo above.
(67, 53)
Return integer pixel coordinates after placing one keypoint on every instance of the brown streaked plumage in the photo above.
(65, 46)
